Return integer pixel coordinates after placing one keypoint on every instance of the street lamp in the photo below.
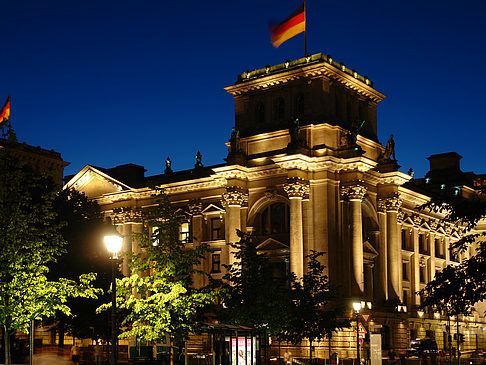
(113, 244)
(357, 308)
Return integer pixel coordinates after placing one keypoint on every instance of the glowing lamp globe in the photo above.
(113, 244)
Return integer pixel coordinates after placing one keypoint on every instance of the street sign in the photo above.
(361, 340)
(361, 329)
(366, 317)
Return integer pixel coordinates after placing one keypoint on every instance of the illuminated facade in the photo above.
(42, 160)
(305, 173)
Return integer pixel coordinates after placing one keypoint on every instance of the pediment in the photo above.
(272, 244)
(94, 183)
(369, 251)
(211, 208)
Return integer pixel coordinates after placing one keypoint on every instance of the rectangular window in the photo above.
(216, 229)
(185, 232)
(404, 239)
(422, 243)
(405, 297)
(454, 256)
(439, 248)
(405, 271)
(216, 262)
(423, 274)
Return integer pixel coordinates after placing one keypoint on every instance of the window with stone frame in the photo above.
(185, 232)
(406, 244)
(439, 247)
(423, 274)
(216, 262)
(405, 271)
(216, 229)
(423, 243)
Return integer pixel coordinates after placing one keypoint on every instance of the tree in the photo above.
(30, 239)
(457, 288)
(158, 296)
(315, 312)
(468, 279)
(83, 231)
(256, 298)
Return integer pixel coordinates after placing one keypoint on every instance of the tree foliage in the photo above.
(256, 297)
(458, 287)
(30, 239)
(315, 312)
(158, 296)
(85, 252)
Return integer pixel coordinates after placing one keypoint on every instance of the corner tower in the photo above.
(316, 89)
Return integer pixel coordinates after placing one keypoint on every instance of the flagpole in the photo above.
(305, 30)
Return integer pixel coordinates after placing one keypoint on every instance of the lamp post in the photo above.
(357, 308)
(113, 245)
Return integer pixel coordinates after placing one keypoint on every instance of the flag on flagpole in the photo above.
(293, 25)
(5, 111)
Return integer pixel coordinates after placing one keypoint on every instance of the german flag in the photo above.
(290, 27)
(5, 111)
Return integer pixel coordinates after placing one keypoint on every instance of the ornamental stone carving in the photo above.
(417, 220)
(296, 187)
(126, 215)
(195, 207)
(354, 192)
(381, 205)
(401, 216)
(433, 224)
(393, 204)
(234, 196)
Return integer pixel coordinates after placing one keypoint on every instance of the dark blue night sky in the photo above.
(111, 82)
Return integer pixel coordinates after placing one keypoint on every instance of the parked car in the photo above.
(422, 348)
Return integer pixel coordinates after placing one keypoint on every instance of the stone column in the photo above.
(393, 204)
(124, 218)
(233, 199)
(195, 207)
(296, 189)
(382, 266)
(355, 195)
(432, 256)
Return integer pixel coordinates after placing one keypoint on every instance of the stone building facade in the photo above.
(305, 171)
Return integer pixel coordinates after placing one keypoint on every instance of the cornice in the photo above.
(325, 66)
(329, 163)
(392, 177)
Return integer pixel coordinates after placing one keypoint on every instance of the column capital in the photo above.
(393, 203)
(195, 207)
(354, 192)
(296, 188)
(126, 215)
(381, 205)
(234, 197)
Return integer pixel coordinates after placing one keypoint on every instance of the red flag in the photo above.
(5, 111)
(293, 25)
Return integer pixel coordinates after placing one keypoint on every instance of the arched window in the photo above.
(275, 219)
(299, 105)
(279, 109)
(260, 113)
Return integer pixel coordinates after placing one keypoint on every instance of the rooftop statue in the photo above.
(390, 149)
(168, 165)
(198, 160)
